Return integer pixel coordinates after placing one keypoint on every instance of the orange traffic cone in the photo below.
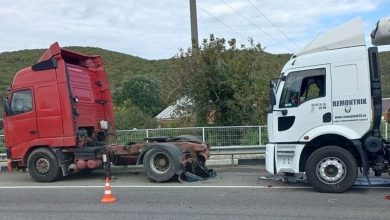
(107, 197)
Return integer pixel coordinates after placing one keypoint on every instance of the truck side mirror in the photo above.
(271, 84)
(6, 107)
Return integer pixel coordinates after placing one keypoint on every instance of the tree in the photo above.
(227, 82)
(129, 116)
(384, 64)
(142, 91)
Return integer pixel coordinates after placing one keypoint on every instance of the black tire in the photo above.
(159, 165)
(43, 166)
(331, 169)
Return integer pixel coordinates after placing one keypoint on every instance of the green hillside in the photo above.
(121, 66)
(118, 65)
(384, 60)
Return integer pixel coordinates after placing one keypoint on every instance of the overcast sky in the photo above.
(156, 29)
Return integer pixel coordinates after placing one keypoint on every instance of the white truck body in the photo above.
(324, 98)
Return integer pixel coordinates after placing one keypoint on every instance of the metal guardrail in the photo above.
(2, 147)
(215, 136)
(237, 150)
(3, 157)
(232, 140)
(385, 130)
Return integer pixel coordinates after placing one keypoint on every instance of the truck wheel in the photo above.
(43, 166)
(331, 169)
(159, 165)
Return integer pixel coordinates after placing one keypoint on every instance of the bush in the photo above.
(250, 138)
(130, 116)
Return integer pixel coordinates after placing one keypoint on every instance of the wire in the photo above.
(262, 14)
(219, 20)
(256, 26)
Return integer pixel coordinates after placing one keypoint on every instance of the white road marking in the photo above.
(176, 187)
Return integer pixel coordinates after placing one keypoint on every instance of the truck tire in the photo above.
(43, 166)
(159, 165)
(331, 169)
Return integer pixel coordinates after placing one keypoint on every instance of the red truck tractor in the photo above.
(59, 120)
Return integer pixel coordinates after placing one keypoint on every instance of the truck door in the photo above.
(48, 110)
(21, 124)
(306, 95)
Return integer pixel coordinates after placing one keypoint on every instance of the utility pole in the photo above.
(194, 25)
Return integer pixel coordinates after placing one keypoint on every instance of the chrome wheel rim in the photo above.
(331, 170)
(160, 162)
(42, 165)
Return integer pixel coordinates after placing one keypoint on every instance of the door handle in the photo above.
(33, 132)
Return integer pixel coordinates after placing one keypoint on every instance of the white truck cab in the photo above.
(325, 110)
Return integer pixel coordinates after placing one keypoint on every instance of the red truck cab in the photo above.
(58, 103)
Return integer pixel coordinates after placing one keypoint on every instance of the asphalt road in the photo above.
(237, 193)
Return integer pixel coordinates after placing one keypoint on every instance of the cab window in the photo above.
(21, 102)
(302, 86)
